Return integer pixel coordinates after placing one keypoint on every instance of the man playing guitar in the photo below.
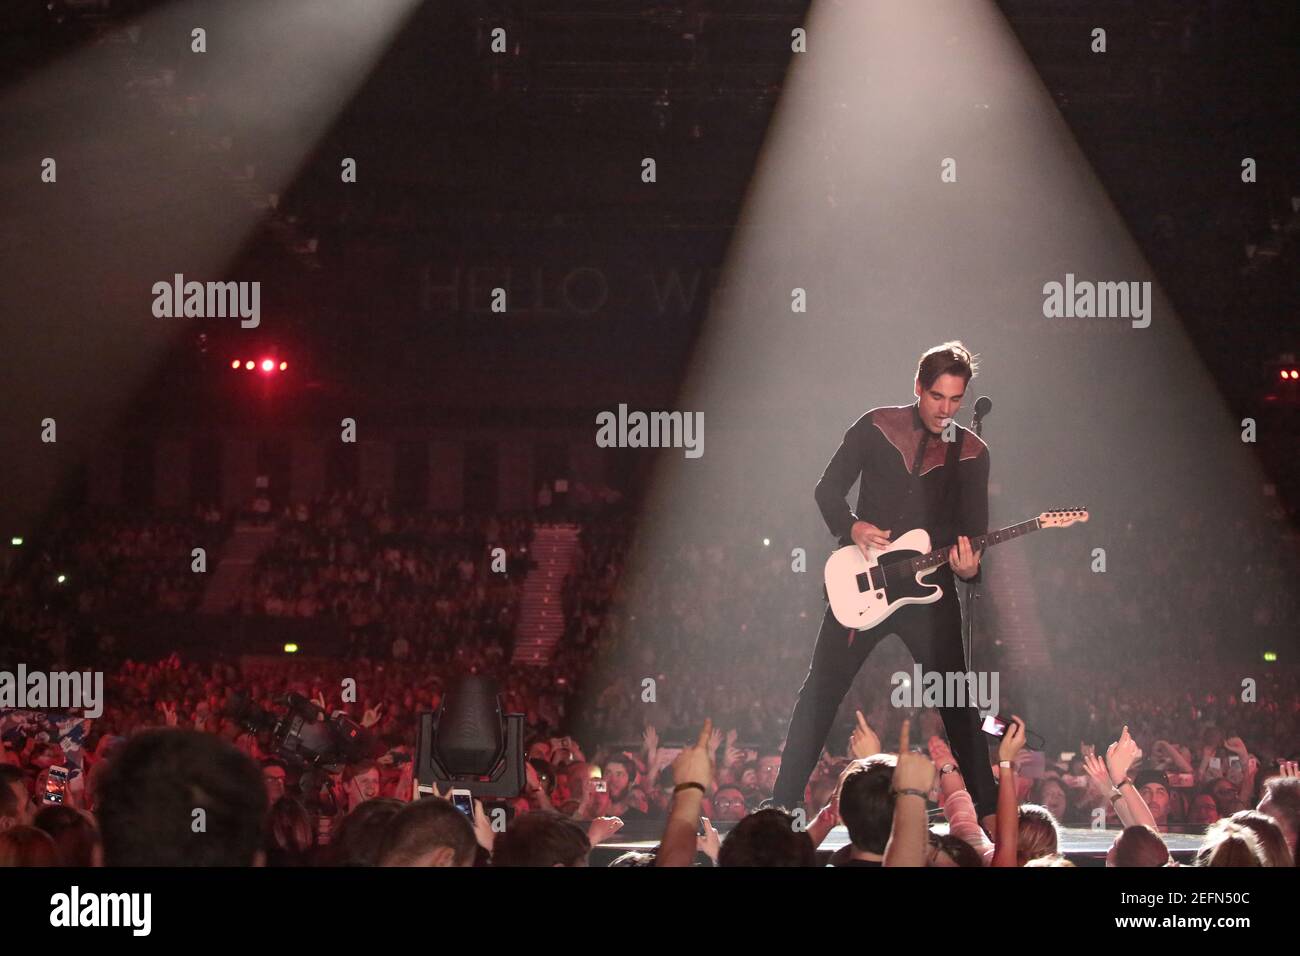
(903, 461)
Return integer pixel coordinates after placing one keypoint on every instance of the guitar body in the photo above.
(856, 603)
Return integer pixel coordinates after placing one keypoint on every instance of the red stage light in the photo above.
(267, 365)
(283, 366)
(234, 363)
(249, 365)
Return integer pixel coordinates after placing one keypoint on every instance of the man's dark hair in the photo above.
(360, 836)
(767, 838)
(149, 793)
(542, 839)
(867, 803)
(1140, 845)
(1283, 794)
(73, 833)
(9, 774)
(27, 846)
(961, 852)
(421, 827)
(951, 358)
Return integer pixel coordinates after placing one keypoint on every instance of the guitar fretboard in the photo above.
(936, 558)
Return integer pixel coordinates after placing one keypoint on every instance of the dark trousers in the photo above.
(932, 632)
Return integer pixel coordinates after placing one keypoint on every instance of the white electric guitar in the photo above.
(864, 592)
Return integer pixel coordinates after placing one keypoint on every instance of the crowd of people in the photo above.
(131, 801)
(722, 627)
(408, 586)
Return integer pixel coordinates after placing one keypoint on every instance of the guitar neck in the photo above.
(936, 558)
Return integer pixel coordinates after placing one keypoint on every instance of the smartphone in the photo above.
(1182, 780)
(995, 726)
(463, 801)
(601, 786)
(56, 786)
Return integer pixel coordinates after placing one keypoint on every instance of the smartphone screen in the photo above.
(994, 725)
(56, 786)
(463, 801)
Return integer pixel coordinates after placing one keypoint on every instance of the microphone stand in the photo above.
(972, 589)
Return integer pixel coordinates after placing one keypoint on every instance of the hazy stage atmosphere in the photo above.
(781, 434)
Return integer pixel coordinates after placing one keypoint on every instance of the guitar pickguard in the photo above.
(901, 584)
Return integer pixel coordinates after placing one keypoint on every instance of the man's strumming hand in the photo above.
(865, 535)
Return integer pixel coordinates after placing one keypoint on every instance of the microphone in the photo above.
(982, 408)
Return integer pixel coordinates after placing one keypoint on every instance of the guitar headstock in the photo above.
(1062, 518)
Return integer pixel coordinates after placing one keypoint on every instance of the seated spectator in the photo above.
(74, 834)
(1138, 845)
(27, 846)
(768, 838)
(428, 833)
(542, 839)
(181, 798)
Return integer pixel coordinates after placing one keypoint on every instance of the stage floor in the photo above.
(1083, 847)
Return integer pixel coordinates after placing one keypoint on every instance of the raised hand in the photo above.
(863, 741)
(694, 764)
(650, 741)
(914, 771)
(1120, 756)
(708, 843)
(1097, 772)
(1236, 745)
(372, 715)
(1288, 768)
(602, 828)
(940, 752)
(1013, 741)
(169, 713)
(715, 741)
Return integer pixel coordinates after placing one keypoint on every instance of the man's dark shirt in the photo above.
(881, 447)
